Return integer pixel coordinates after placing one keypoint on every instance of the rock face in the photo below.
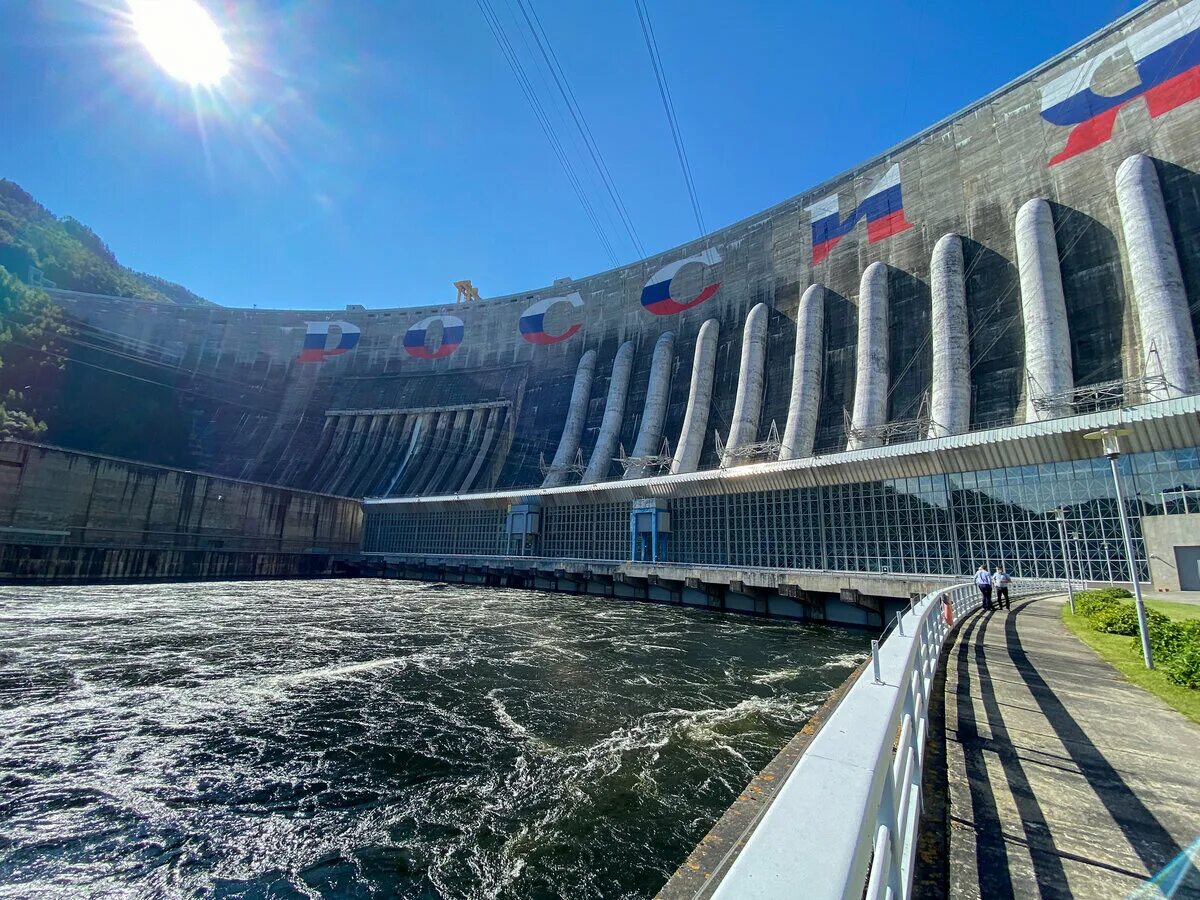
(1067, 267)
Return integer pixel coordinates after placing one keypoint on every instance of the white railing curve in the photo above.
(848, 816)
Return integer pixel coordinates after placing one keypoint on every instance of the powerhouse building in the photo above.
(892, 372)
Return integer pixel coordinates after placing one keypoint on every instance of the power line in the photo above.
(539, 112)
(664, 91)
(568, 95)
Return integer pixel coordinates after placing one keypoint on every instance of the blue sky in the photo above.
(374, 151)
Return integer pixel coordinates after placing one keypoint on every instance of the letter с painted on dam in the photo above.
(1059, 266)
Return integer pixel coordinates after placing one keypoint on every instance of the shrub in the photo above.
(1175, 645)
(1090, 603)
(1184, 666)
(1174, 637)
(1122, 619)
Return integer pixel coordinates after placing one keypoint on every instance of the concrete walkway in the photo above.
(1063, 779)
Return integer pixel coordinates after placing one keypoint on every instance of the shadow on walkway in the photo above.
(1064, 780)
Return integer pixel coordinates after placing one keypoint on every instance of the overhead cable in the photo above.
(585, 132)
(539, 112)
(664, 91)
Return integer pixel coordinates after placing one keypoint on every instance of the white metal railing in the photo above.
(1181, 500)
(848, 816)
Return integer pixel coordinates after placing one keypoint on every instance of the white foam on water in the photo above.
(339, 671)
(165, 737)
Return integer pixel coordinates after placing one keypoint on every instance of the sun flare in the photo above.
(182, 39)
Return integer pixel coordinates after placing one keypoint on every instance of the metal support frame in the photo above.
(576, 467)
(1115, 394)
(1188, 497)
(1118, 393)
(761, 451)
(900, 431)
(654, 464)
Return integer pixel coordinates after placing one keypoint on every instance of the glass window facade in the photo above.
(599, 531)
(467, 532)
(944, 524)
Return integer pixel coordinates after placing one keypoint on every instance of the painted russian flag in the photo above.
(452, 336)
(656, 295)
(883, 208)
(1166, 55)
(533, 321)
(317, 336)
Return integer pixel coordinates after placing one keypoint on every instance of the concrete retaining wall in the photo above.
(72, 515)
(36, 564)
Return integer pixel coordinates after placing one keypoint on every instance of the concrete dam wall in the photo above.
(1036, 255)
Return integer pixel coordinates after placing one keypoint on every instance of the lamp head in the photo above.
(1110, 439)
(1060, 513)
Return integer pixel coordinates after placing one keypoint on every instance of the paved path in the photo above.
(1064, 780)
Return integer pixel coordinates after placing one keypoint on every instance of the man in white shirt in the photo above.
(984, 582)
(1000, 583)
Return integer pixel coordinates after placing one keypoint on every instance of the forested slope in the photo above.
(70, 254)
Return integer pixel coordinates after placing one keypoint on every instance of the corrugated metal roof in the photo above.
(1166, 425)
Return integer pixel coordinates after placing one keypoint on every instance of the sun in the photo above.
(182, 38)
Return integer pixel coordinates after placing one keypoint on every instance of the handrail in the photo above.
(848, 816)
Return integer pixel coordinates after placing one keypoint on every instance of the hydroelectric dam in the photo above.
(888, 375)
(979, 348)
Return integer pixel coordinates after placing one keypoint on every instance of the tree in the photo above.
(31, 328)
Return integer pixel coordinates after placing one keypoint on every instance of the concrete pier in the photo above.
(1043, 310)
(866, 600)
(1160, 299)
(950, 399)
(485, 446)
(805, 401)
(871, 372)
(654, 411)
(695, 421)
(572, 431)
(747, 406)
(614, 414)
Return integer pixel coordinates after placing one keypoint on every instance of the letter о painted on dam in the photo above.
(883, 208)
(533, 321)
(656, 295)
(317, 336)
(452, 336)
(1166, 58)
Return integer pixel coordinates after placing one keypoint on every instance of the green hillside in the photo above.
(31, 358)
(70, 254)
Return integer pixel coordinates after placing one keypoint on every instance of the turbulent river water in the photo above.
(379, 739)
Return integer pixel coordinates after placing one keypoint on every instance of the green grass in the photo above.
(1175, 610)
(1124, 654)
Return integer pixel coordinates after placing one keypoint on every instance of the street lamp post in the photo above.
(1061, 514)
(1078, 544)
(1111, 440)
